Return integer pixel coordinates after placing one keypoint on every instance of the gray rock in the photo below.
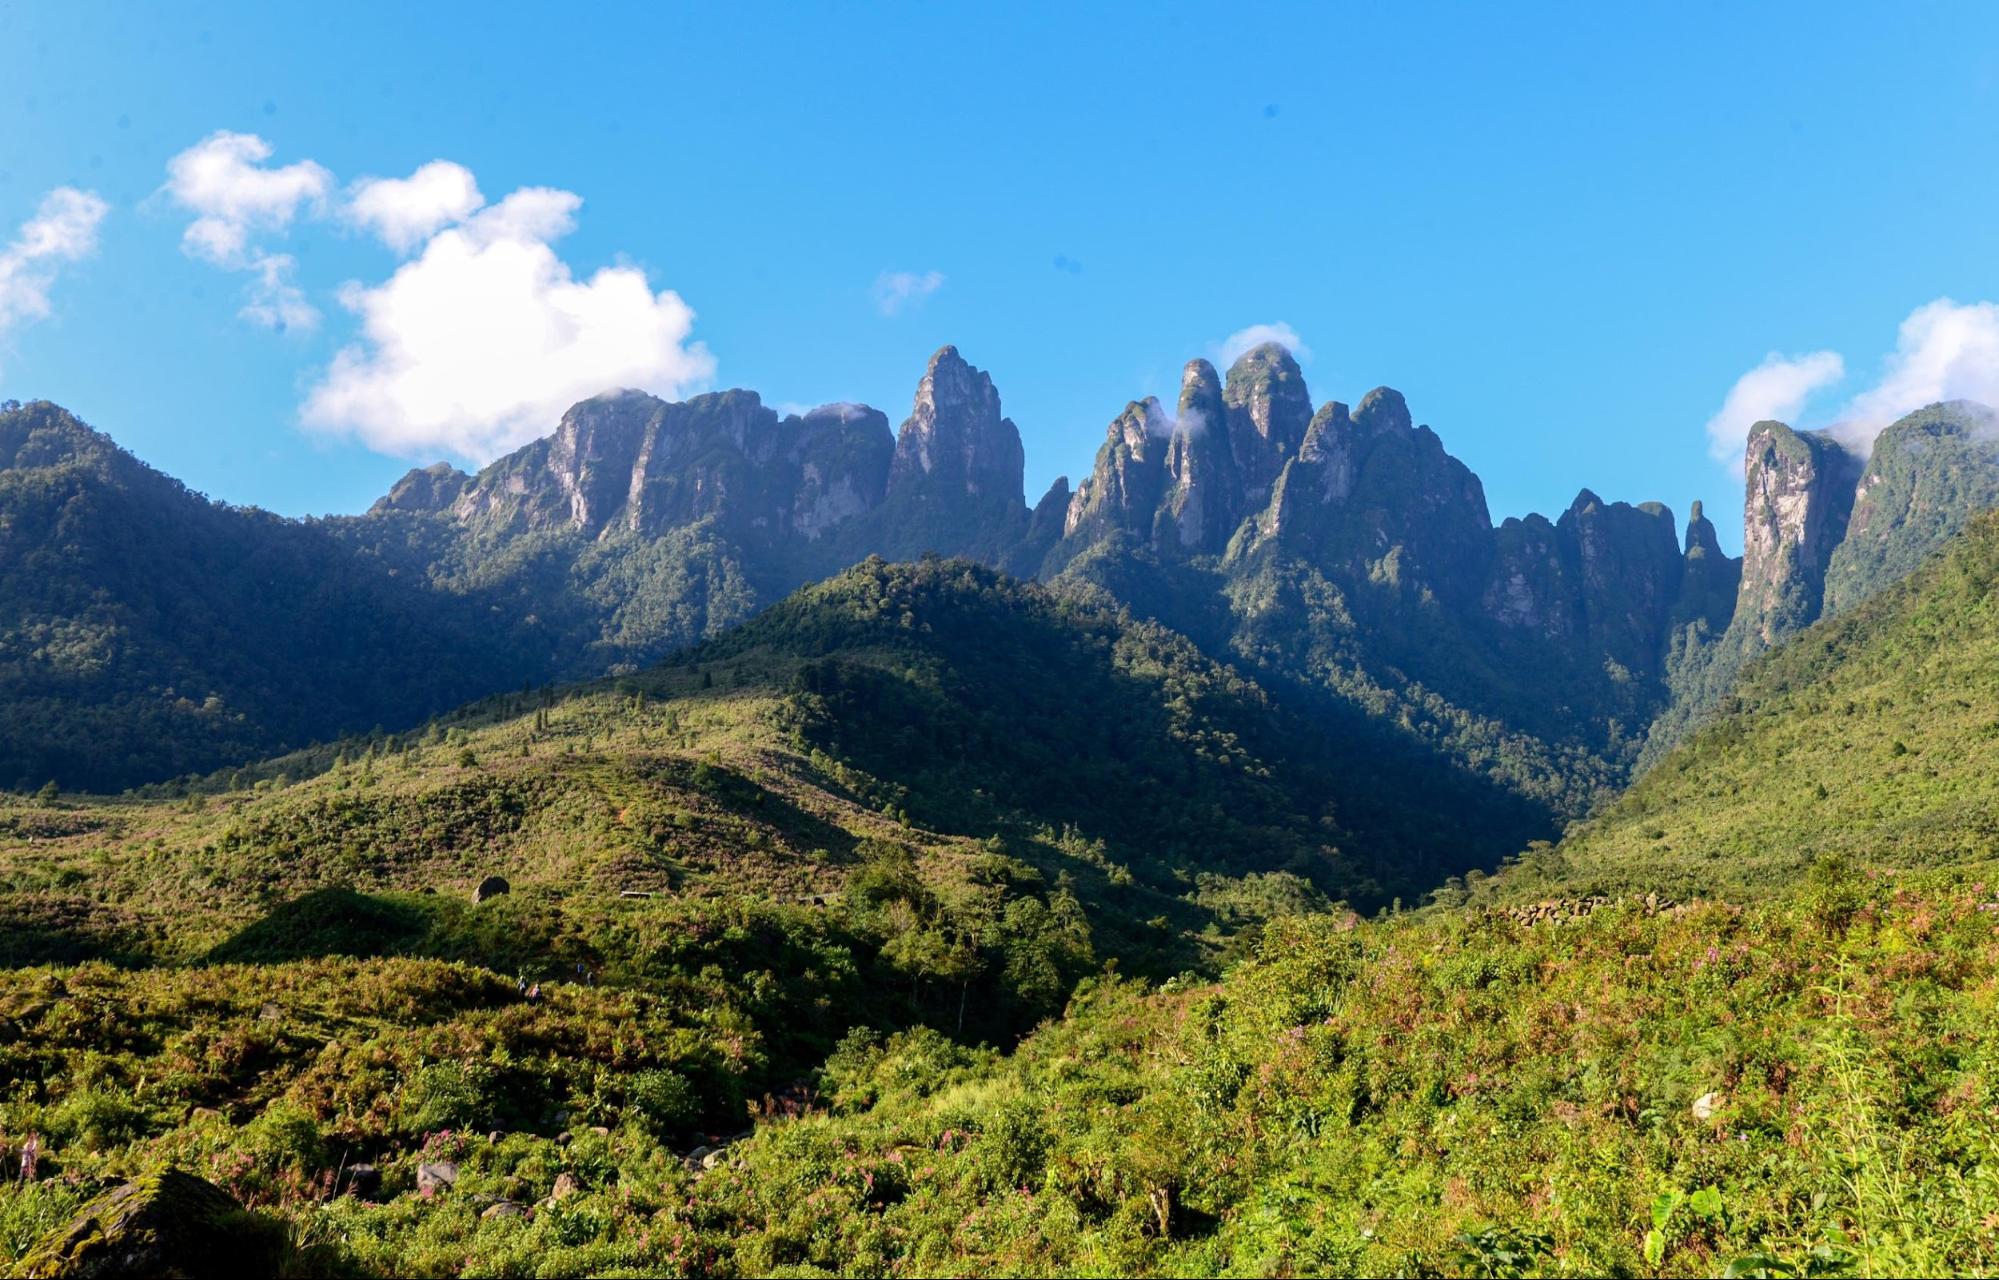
(362, 1180)
(435, 1177)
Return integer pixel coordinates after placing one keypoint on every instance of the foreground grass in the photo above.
(1804, 1086)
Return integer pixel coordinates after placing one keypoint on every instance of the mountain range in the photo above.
(1340, 557)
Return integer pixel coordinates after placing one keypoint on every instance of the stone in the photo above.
(362, 1180)
(491, 887)
(439, 1175)
(566, 1185)
(504, 1209)
(169, 1224)
(1706, 1105)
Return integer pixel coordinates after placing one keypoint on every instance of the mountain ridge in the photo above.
(1345, 555)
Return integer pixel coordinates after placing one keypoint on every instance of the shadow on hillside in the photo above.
(53, 929)
(326, 922)
(798, 827)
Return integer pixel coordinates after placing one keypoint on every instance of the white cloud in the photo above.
(1943, 351)
(1777, 388)
(223, 181)
(478, 344)
(896, 290)
(405, 212)
(275, 302)
(1232, 348)
(64, 229)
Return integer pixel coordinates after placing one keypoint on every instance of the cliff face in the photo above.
(1269, 411)
(956, 442)
(1797, 497)
(627, 463)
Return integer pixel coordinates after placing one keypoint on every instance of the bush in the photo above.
(663, 1101)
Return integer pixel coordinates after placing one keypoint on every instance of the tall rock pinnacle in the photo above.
(956, 440)
(1798, 494)
(1268, 412)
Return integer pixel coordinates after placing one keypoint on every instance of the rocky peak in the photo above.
(1929, 473)
(1628, 574)
(1269, 410)
(1123, 489)
(1204, 494)
(592, 455)
(1709, 580)
(840, 454)
(1382, 409)
(1531, 586)
(956, 440)
(1798, 494)
(424, 490)
(1701, 537)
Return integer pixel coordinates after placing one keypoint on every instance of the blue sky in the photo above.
(1564, 233)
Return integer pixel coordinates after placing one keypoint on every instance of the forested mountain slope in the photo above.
(1873, 735)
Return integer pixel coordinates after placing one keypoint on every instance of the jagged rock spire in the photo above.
(1268, 412)
(955, 439)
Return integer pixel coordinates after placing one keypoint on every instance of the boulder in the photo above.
(566, 1185)
(363, 1180)
(438, 1176)
(491, 887)
(168, 1224)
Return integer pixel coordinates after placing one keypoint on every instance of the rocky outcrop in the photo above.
(168, 1224)
(1376, 499)
(1929, 473)
(1628, 577)
(1709, 579)
(1269, 410)
(955, 441)
(424, 490)
(1044, 529)
(1798, 493)
(632, 464)
(1204, 491)
(1123, 489)
(841, 455)
(1531, 587)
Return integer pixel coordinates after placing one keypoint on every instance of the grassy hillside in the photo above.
(1874, 735)
(853, 943)
(1803, 1087)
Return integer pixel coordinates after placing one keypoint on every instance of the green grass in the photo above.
(1874, 735)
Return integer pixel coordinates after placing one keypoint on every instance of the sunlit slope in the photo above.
(1874, 735)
